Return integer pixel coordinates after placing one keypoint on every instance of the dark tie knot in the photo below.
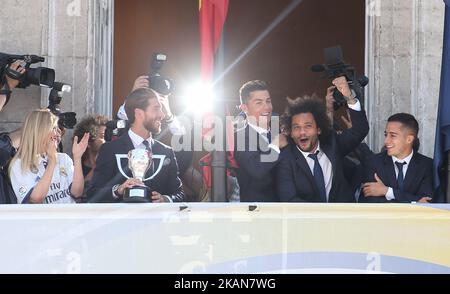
(314, 156)
(400, 165)
(147, 145)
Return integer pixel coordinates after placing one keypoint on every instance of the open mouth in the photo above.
(304, 141)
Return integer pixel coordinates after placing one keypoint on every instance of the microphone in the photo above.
(318, 68)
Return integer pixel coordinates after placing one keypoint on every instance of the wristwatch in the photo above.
(115, 191)
(352, 97)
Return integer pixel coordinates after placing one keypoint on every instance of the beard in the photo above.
(309, 145)
(153, 126)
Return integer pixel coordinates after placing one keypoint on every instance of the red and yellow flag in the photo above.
(213, 14)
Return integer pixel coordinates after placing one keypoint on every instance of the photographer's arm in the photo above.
(15, 137)
(10, 84)
(352, 137)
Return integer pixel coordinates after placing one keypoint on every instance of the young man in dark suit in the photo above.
(311, 168)
(108, 184)
(257, 146)
(401, 173)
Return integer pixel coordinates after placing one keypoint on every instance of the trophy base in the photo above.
(137, 194)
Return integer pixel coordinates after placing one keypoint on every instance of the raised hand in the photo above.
(78, 149)
(141, 82)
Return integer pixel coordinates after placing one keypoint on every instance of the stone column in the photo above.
(75, 37)
(404, 52)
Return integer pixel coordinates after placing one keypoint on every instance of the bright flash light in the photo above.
(199, 98)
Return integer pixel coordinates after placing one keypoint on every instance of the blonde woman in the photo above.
(40, 175)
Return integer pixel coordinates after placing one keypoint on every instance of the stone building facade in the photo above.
(403, 57)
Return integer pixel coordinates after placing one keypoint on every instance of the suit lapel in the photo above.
(126, 146)
(390, 172)
(252, 134)
(328, 150)
(412, 172)
(303, 165)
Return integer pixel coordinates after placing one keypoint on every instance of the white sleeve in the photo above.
(390, 194)
(121, 114)
(275, 148)
(67, 163)
(22, 184)
(176, 128)
(356, 106)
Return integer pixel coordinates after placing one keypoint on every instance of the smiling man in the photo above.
(311, 169)
(108, 184)
(257, 146)
(400, 173)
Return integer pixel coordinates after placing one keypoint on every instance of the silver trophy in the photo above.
(139, 162)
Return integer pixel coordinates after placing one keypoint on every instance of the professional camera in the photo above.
(40, 76)
(115, 129)
(66, 120)
(157, 82)
(335, 67)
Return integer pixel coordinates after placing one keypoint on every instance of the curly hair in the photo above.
(308, 104)
(90, 124)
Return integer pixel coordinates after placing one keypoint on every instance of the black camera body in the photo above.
(67, 120)
(160, 84)
(40, 76)
(335, 67)
(115, 129)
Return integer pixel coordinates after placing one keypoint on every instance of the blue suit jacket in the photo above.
(256, 178)
(107, 174)
(418, 181)
(295, 181)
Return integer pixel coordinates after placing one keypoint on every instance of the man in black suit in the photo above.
(401, 173)
(257, 148)
(311, 168)
(108, 185)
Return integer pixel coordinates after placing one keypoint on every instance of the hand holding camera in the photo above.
(344, 78)
(19, 70)
(141, 82)
(342, 86)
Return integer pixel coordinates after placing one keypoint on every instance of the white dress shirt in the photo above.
(138, 141)
(390, 193)
(325, 164)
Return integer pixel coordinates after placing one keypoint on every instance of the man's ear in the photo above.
(410, 139)
(243, 107)
(319, 131)
(138, 114)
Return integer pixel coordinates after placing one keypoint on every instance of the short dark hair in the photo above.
(312, 105)
(250, 87)
(409, 122)
(138, 99)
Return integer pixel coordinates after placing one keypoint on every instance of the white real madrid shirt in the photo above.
(59, 190)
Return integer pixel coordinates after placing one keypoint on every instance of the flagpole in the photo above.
(448, 177)
(219, 160)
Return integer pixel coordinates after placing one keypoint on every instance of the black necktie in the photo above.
(149, 149)
(269, 137)
(147, 145)
(400, 177)
(318, 177)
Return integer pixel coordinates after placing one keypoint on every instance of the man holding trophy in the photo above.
(136, 168)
